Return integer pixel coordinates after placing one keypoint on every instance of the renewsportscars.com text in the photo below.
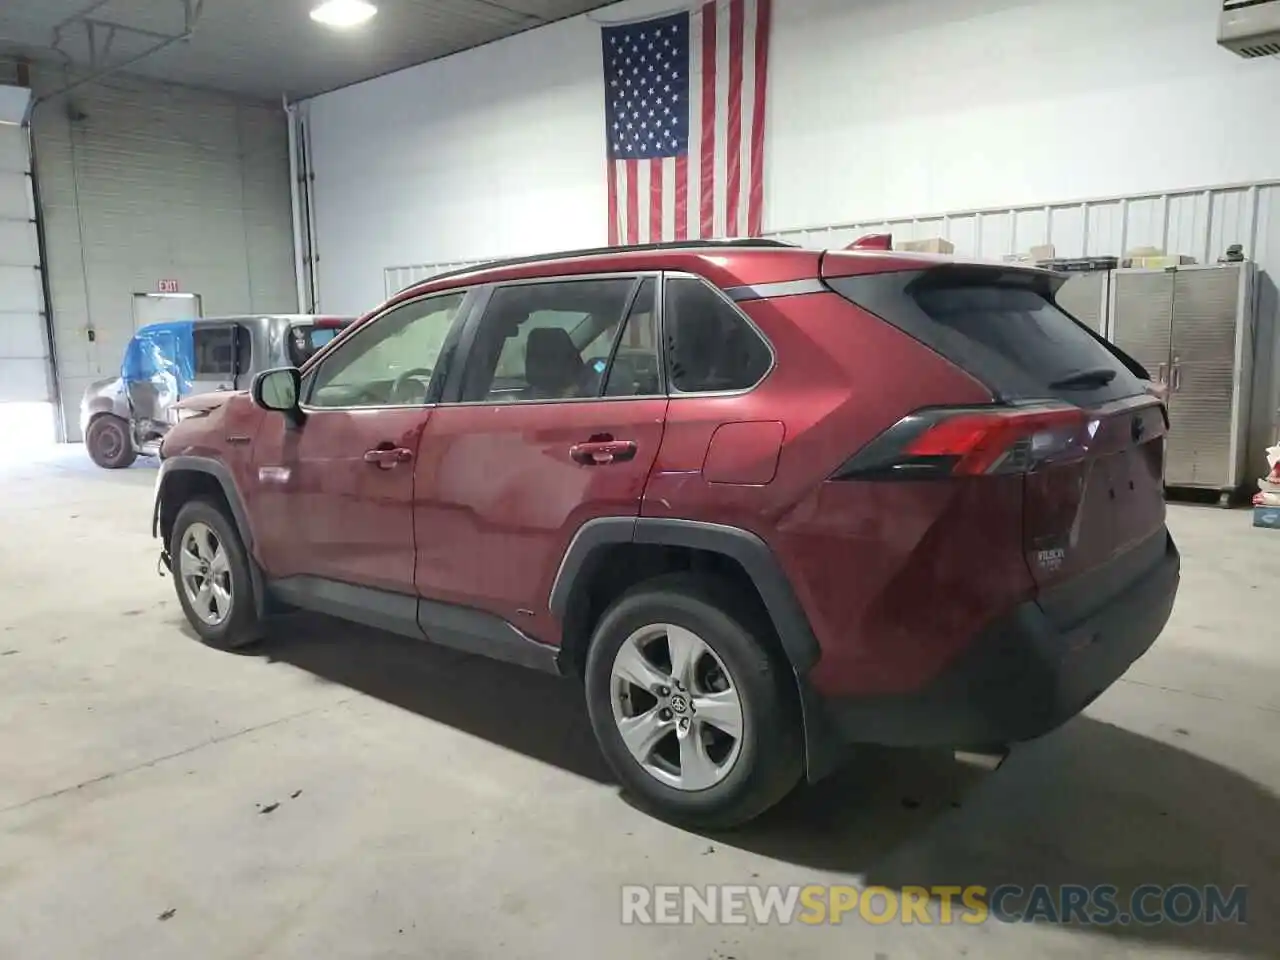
(1103, 905)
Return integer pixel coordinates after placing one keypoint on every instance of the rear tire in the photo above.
(212, 577)
(694, 771)
(109, 443)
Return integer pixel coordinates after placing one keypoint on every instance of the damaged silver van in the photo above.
(124, 417)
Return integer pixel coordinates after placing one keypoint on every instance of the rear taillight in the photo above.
(972, 442)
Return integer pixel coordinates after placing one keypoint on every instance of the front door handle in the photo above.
(388, 457)
(595, 453)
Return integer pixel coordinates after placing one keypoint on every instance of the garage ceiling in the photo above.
(261, 48)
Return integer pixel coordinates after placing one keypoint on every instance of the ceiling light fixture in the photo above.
(343, 14)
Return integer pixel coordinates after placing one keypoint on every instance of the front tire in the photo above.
(693, 711)
(211, 573)
(109, 443)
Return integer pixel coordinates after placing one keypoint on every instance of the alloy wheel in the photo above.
(205, 573)
(676, 707)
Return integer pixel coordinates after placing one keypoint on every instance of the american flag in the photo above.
(684, 122)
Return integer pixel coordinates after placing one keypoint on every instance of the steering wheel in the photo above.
(420, 374)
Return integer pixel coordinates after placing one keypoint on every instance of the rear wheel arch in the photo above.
(598, 540)
(610, 554)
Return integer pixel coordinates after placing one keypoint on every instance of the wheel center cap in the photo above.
(679, 703)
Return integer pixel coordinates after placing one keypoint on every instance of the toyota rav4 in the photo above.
(765, 502)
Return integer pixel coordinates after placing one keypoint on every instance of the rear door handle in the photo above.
(388, 457)
(595, 453)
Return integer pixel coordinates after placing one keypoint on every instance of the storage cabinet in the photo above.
(1084, 296)
(1192, 328)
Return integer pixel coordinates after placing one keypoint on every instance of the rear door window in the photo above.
(635, 370)
(1002, 327)
(546, 340)
(215, 353)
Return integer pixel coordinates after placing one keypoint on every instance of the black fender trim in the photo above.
(823, 751)
(762, 567)
(741, 545)
(591, 536)
(219, 471)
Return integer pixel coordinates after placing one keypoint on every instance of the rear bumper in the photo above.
(1023, 676)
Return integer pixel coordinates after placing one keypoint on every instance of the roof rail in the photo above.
(600, 251)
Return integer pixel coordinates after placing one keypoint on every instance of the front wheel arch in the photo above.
(186, 478)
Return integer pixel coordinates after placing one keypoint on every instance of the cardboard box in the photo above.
(1042, 253)
(1154, 258)
(931, 245)
(1267, 517)
(1162, 262)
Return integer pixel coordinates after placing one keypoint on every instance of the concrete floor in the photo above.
(433, 805)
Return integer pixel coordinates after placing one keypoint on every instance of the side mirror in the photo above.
(280, 390)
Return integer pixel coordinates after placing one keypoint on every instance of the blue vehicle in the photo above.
(127, 416)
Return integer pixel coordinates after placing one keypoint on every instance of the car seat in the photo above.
(552, 364)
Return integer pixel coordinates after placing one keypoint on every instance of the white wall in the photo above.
(878, 108)
(141, 182)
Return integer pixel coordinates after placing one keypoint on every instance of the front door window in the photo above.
(392, 362)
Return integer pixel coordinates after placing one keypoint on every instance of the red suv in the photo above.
(766, 502)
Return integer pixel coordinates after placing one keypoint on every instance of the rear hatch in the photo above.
(1070, 412)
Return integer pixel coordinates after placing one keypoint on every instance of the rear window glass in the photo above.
(306, 338)
(215, 350)
(710, 346)
(1003, 328)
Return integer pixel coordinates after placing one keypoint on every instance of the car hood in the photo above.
(206, 402)
(106, 387)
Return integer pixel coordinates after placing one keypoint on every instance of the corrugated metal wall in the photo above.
(397, 278)
(141, 183)
(1201, 223)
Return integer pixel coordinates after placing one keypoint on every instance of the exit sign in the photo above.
(167, 286)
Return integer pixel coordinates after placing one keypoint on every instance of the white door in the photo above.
(161, 307)
(26, 384)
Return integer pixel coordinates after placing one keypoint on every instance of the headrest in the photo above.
(551, 361)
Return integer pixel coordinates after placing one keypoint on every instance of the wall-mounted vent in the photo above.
(1251, 28)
